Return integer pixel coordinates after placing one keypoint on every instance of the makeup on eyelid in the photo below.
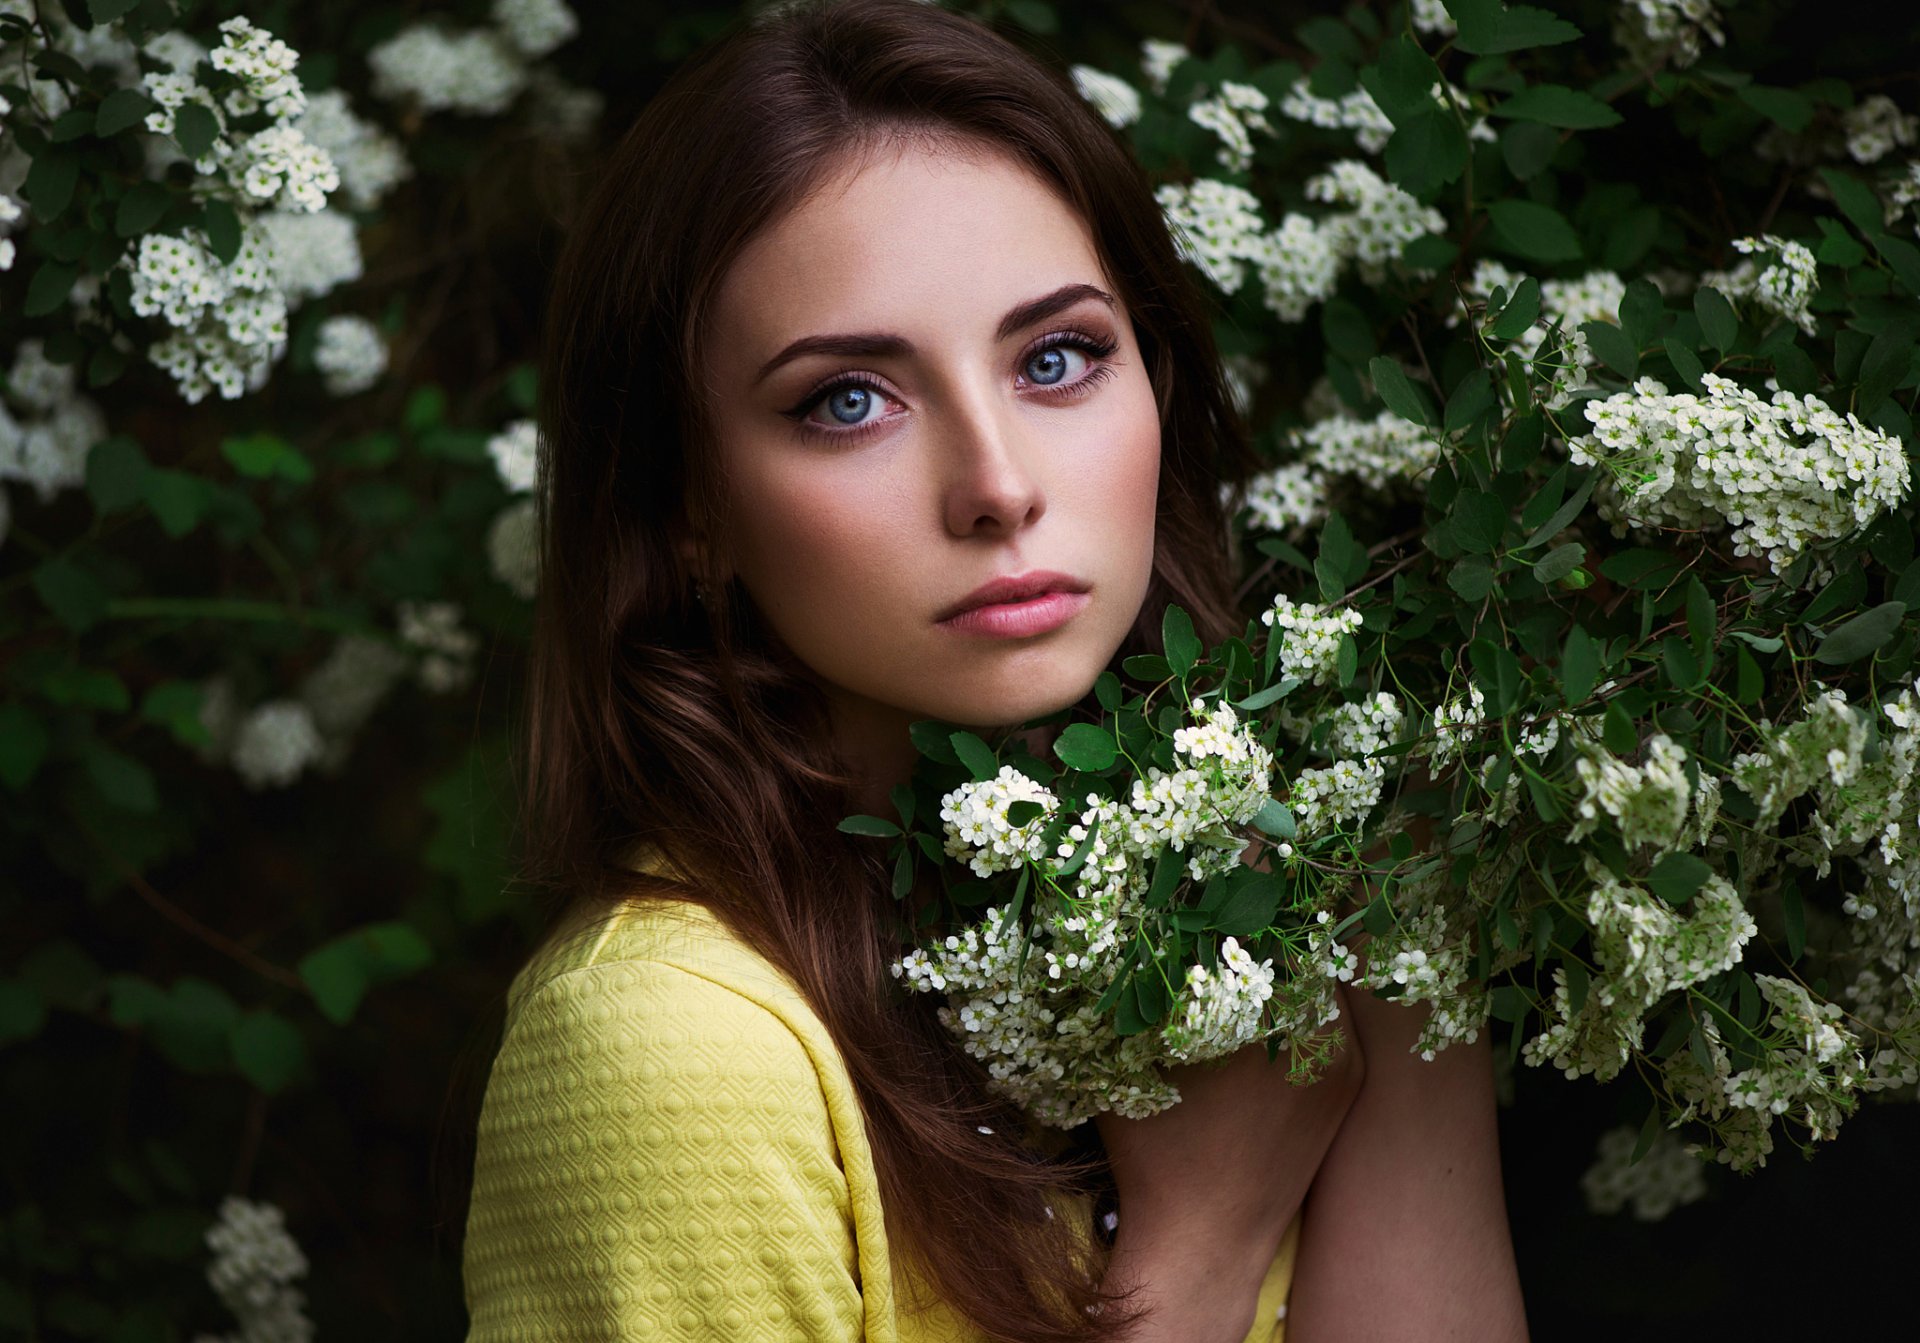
(1098, 349)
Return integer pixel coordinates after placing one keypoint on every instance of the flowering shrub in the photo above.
(1588, 529)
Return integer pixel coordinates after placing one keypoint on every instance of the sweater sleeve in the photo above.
(656, 1161)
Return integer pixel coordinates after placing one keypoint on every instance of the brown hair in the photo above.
(652, 717)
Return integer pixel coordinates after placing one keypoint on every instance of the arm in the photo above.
(1208, 1188)
(656, 1161)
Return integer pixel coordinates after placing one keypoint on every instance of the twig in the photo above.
(212, 937)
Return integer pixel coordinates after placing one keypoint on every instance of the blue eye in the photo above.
(849, 405)
(1049, 366)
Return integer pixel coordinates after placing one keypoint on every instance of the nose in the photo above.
(988, 460)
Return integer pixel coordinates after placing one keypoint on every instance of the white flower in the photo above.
(313, 254)
(1785, 286)
(1216, 226)
(1157, 60)
(1653, 31)
(512, 547)
(1382, 220)
(473, 73)
(1666, 1177)
(349, 354)
(275, 742)
(515, 452)
(434, 628)
(1112, 97)
(1875, 126)
(1233, 114)
(255, 1263)
(368, 160)
(535, 27)
(1310, 636)
(1784, 473)
(1285, 497)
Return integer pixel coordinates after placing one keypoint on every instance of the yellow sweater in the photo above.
(671, 1148)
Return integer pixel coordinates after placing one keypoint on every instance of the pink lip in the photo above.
(1019, 606)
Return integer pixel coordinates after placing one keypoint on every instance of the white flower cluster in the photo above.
(11, 213)
(1431, 964)
(476, 72)
(1117, 101)
(1233, 114)
(1536, 741)
(275, 743)
(1382, 218)
(47, 428)
(1656, 31)
(1381, 453)
(370, 162)
(515, 451)
(255, 1263)
(433, 627)
(1454, 724)
(1784, 286)
(1784, 474)
(230, 319)
(1223, 1008)
(1217, 227)
(1287, 496)
(274, 166)
(1824, 749)
(1875, 127)
(1310, 637)
(1645, 951)
(975, 817)
(1666, 1177)
(342, 692)
(1362, 726)
(1038, 1029)
(349, 354)
(1593, 297)
(1158, 59)
(1340, 795)
(1356, 111)
(1649, 802)
(312, 254)
(513, 537)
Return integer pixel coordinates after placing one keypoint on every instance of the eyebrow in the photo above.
(886, 345)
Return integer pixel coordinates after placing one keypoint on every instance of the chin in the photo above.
(1023, 698)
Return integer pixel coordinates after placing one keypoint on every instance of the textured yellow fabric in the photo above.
(671, 1148)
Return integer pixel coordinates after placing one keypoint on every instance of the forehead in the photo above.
(908, 234)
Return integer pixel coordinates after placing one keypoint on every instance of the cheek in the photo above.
(808, 541)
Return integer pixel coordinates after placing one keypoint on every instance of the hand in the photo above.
(1208, 1188)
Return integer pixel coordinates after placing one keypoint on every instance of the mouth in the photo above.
(1019, 605)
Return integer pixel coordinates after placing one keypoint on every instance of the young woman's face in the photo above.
(922, 381)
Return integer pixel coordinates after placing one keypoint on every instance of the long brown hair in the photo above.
(653, 717)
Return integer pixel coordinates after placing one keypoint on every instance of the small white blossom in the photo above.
(1117, 101)
(349, 354)
(515, 452)
(275, 743)
(512, 547)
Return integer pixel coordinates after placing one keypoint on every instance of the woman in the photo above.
(867, 314)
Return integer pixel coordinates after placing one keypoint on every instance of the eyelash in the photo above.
(1097, 348)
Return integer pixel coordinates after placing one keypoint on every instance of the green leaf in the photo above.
(878, 826)
(1579, 664)
(106, 11)
(1479, 520)
(1086, 747)
(119, 110)
(1557, 105)
(1472, 577)
(1276, 818)
(1427, 152)
(1613, 346)
(1686, 363)
(1649, 1130)
(50, 182)
(1786, 109)
(1521, 311)
(175, 705)
(1837, 246)
(1527, 148)
(1402, 397)
(268, 1050)
(73, 595)
(1559, 562)
(1250, 907)
(1177, 637)
(116, 473)
(1537, 232)
(1472, 397)
(178, 499)
(49, 287)
(1677, 876)
(140, 209)
(23, 744)
(1487, 28)
(1566, 513)
(1794, 915)
(195, 129)
(264, 455)
(223, 230)
(975, 754)
(1717, 321)
(123, 781)
(1402, 80)
(1862, 635)
(1641, 310)
(339, 973)
(1348, 331)
(23, 1011)
(1617, 732)
(1856, 202)
(1277, 691)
